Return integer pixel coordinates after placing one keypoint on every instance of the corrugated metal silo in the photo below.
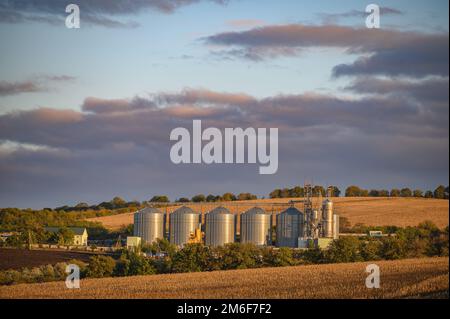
(219, 227)
(149, 224)
(182, 223)
(289, 227)
(327, 218)
(256, 227)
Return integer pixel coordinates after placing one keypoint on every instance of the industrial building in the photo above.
(316, 225)
(219, 227)
(290, 224)
(183, 223)
(149, 224)
(256, 227)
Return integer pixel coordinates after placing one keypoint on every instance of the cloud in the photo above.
(94, 12)
(245, 23)
(121, 146)
(35, 84)
(334, 18)
(382, 51)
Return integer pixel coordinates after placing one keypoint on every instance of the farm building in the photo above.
(80, 237)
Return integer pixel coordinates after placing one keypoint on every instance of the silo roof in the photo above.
(184, 210)
(292, 211)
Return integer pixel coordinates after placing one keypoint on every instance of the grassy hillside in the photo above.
(406, 278)
(373, 211)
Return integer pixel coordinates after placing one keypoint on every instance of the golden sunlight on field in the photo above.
(408, 278)
(373, 211)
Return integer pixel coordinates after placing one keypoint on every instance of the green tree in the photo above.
(118, 202)
(406, 192)
(392, 248)
(191, 258)
(228, 197)
(439, 192)
(383, 193)
(353, 191)
(428, 194)
(199, 198)
(100, 266)
(276, 193)
(395, 192)
(160, 199)
(345, 249)
(418, 193)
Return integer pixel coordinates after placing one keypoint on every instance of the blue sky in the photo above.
(171, 52)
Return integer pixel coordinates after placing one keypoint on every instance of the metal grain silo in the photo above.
(182, 223)
(256, 227)
(289, 227)
(327, 218)
(219, 227)
(149, 224)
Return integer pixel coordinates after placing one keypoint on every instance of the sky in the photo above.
(86, 114)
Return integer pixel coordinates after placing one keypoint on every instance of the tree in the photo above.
(353, 191)
(418, 193)
(345, 249)
(395, 192)
(210, 198)
(228, 197)
(183, 200)
(100, 266)
(335, 191)
(318, 190)
(374, 193)
(191, 258)
(275, 193)
(297, 191)
(406, 192)
(439, 192)
(246, 196)
(160, 199)
(392, 248)
(118, 202)
(383, 193)
(199, 198)
(428, 194)
(364, 193)
(82, 206)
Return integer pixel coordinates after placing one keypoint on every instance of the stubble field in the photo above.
(408, 278)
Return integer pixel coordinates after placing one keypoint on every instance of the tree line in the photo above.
(440, 192)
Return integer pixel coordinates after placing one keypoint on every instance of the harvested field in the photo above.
(409, 278)
(19, 258)
(373, 211)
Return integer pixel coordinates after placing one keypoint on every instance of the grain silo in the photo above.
(219, 227)
(182, 223)
(149, 224)
(289, 227)
(256, 227)
(327, 218)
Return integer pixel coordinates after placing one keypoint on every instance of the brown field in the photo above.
(409, 278)
(371, 211)
(19, 258)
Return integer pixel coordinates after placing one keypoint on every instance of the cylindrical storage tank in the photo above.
(256, 227)
(219, 227)
(327, 218)
(149, 224)
(182, 223)
(336, 226)
(289, 227)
